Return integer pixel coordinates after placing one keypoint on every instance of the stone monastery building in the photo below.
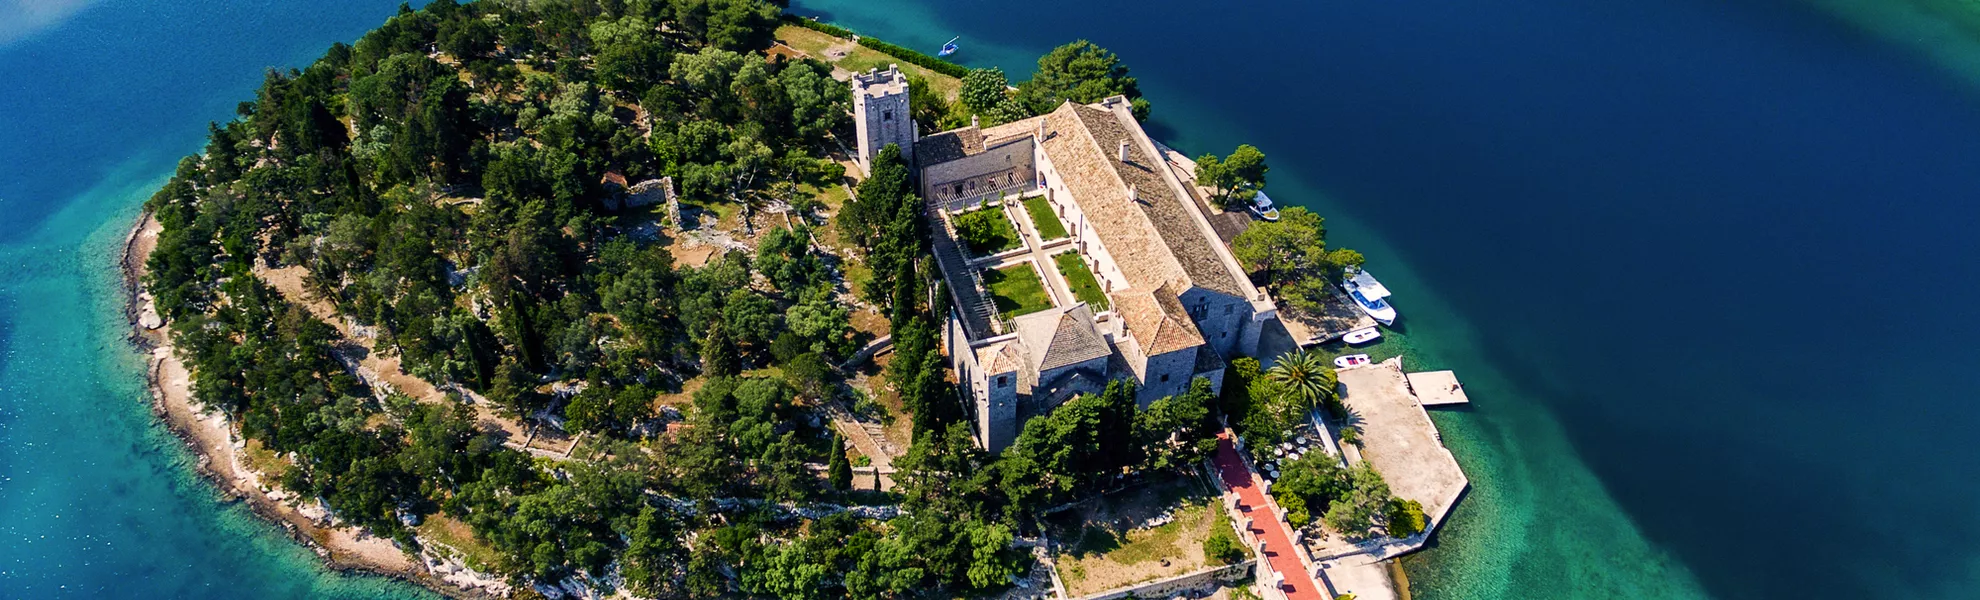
(1178, 303)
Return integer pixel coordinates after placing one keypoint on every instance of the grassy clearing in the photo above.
(725, 213)
(1017, 290)
(1104, 553)
(860, 58)
(1084, 286)
(457, 535)
(1042, 217)
(272, 466)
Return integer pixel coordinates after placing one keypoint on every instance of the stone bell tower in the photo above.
(881, 113)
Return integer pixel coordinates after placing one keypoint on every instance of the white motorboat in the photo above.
(1370, 296)
(1351, 361)
(1362, 336)
(1261, 205)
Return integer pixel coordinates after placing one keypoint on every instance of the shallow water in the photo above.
(1702, 266)
(97, 500)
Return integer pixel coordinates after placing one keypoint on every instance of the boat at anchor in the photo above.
(1370, 296)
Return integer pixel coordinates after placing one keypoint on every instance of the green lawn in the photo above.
(1017, 290)
(1042, 217)
(1084, 286)
(985, 230)
(861, 58)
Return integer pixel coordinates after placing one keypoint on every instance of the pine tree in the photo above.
(718, 353)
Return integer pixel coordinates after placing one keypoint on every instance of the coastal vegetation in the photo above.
(444, 190)
(1292, 257)
(1235, 179)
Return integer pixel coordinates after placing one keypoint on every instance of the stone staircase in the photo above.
(979, 313)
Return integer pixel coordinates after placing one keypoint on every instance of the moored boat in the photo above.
(1370, 295)
(1362, 336)
(1351, 361)
(1261, 205)
(950, 47)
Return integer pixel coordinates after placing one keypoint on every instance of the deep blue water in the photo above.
(1703, 265)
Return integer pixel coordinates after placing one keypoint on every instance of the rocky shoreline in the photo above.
(213, 440)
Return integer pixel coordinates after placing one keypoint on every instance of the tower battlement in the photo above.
(882, 114)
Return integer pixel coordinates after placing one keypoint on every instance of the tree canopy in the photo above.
(1233, 180)
(1081, 72)
(1291, 255)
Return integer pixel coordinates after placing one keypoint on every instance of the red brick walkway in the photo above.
(1265, 526)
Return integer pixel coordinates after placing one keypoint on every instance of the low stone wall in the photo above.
(1195, 584)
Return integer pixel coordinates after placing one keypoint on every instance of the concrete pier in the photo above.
(1437, 388)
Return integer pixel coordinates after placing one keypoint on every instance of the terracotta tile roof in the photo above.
(953, 144)
(948, 145)
(1155, 192)
(1057, 338)
(1004, 358)
(1087, 171)
(1157, 320)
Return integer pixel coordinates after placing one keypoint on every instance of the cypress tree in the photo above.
(839, 470)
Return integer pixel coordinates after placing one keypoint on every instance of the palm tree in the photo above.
(1306, 375)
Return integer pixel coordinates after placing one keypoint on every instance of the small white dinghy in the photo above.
(1352, 360)
(1362, 336)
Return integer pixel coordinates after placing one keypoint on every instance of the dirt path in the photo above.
(375, 368)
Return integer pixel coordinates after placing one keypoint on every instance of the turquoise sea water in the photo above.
(97, 500)
(1704, 266)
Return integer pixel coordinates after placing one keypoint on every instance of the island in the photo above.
(701, 300)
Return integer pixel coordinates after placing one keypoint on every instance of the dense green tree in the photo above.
(1354, 513)
(983, 90)
(1233, 180)
(839, 470)
(1080, 72)
(1222, 548)
(1405, 517)
(1292, 255)
(630, 57)
(655, 557)
(1172, 430)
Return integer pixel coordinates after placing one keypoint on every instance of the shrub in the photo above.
(819, 26)
(1406, 517)
(985, 230)
(1222, 548)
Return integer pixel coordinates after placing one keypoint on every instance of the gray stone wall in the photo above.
(998, 410)
(1177, 367)
(881, 115)
(1195, 584)
(996, 168)
(1053, 390)
(1222, 319)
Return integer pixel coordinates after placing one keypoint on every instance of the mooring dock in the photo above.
(1437, 388)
